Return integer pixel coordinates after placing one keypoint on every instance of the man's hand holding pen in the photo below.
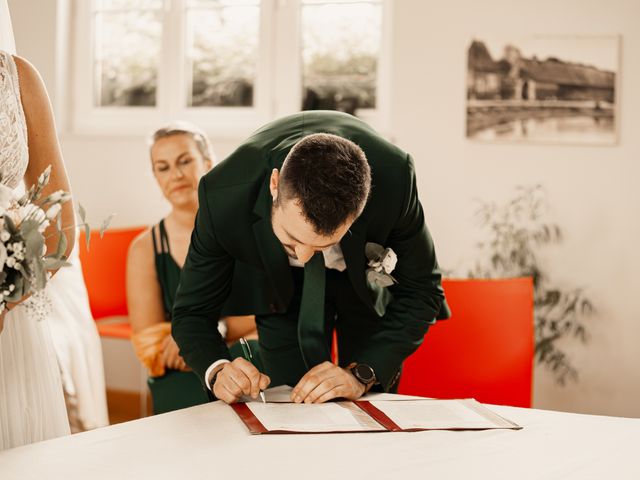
(237, 378)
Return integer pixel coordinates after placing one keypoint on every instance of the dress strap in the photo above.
(154, 235)
(164, 238)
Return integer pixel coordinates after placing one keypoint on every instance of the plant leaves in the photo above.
(11, 227)
(105, 224)
(39, 275)
(53, 263)
(82, 212)
(29, 226)
(373, 251)
(62, 245)
(87, 235)
(34, 244)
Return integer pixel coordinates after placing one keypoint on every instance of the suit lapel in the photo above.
(352, 245)
(273, 255)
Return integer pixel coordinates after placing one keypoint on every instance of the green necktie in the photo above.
(311, 337)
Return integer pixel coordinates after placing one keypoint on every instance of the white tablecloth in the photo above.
(210, 441)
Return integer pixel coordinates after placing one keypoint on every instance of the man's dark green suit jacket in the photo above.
(236, 265)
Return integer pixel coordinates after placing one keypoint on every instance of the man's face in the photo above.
(295, 233)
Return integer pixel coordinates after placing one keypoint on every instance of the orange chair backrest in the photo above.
(484, 351)
(104, 269)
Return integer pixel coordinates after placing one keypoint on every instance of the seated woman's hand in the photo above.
(171, 355)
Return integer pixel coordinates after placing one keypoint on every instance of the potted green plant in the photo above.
(516, 232)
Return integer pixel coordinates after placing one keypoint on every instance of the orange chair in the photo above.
(484, 351)
(104, 269)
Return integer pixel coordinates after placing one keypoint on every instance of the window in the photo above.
(222, 51)
(228, 65)
(127, 38)
(340, 49)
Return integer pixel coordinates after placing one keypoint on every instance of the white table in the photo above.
(209, 441)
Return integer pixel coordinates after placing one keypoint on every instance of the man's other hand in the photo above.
(325, 382)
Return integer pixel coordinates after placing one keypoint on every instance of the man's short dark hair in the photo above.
(330, 177)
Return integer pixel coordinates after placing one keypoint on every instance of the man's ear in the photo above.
(273, 184)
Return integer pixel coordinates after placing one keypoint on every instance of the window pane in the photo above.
(102, 5)
(127, 48)
(340, 49)
(222, 39)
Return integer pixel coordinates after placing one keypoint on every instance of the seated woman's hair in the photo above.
(185, 128)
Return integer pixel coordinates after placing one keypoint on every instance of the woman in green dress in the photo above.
(180, 155)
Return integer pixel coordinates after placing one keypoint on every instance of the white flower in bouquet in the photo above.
(34, 213)
(6, 196)
(57, 197)
(53, 211)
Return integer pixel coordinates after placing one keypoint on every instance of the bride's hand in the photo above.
(2, 320)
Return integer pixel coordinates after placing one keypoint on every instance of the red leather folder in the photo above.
(256, 427)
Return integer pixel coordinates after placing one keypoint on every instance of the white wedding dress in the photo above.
(32, 406)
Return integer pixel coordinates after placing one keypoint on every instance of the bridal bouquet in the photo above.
(24, 261)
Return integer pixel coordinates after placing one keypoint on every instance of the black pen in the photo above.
(246, 350)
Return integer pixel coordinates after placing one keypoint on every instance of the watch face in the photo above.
(364, 373)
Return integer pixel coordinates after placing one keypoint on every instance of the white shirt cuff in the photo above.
(209, 372)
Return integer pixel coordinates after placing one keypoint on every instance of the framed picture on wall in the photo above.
(543, 89)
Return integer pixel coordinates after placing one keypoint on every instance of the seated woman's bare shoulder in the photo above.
(141, 249)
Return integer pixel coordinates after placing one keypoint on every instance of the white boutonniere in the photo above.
(382, 261)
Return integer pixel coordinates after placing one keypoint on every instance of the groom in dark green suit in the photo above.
(314, 225)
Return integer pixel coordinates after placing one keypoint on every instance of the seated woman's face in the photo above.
(178, 165)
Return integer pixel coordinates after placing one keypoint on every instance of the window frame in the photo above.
(277, 88)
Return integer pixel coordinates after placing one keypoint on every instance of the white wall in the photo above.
(591, 189)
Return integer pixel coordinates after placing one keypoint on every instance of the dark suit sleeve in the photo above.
(417, 297)
(205, 284)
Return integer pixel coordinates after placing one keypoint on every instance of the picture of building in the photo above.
(540, 97)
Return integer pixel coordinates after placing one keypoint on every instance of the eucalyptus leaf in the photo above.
(380, 279)
(29, 226)
(11, 227)
(39, 275)
(82, 212)
(87, 235)
(34, 244)
(373, 251)
(105, 224)
(53, 263)
(62, 245)
(25, 272)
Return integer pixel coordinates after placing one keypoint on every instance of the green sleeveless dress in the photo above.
(176, 389)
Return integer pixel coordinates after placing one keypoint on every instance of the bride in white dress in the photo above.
(75, 337)
(32, 405)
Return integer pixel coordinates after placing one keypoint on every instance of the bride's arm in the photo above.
(44, 149)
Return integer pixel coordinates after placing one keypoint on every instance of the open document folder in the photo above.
(400, 414)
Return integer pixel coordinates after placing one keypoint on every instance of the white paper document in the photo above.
(465, 414)
(319, 417)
